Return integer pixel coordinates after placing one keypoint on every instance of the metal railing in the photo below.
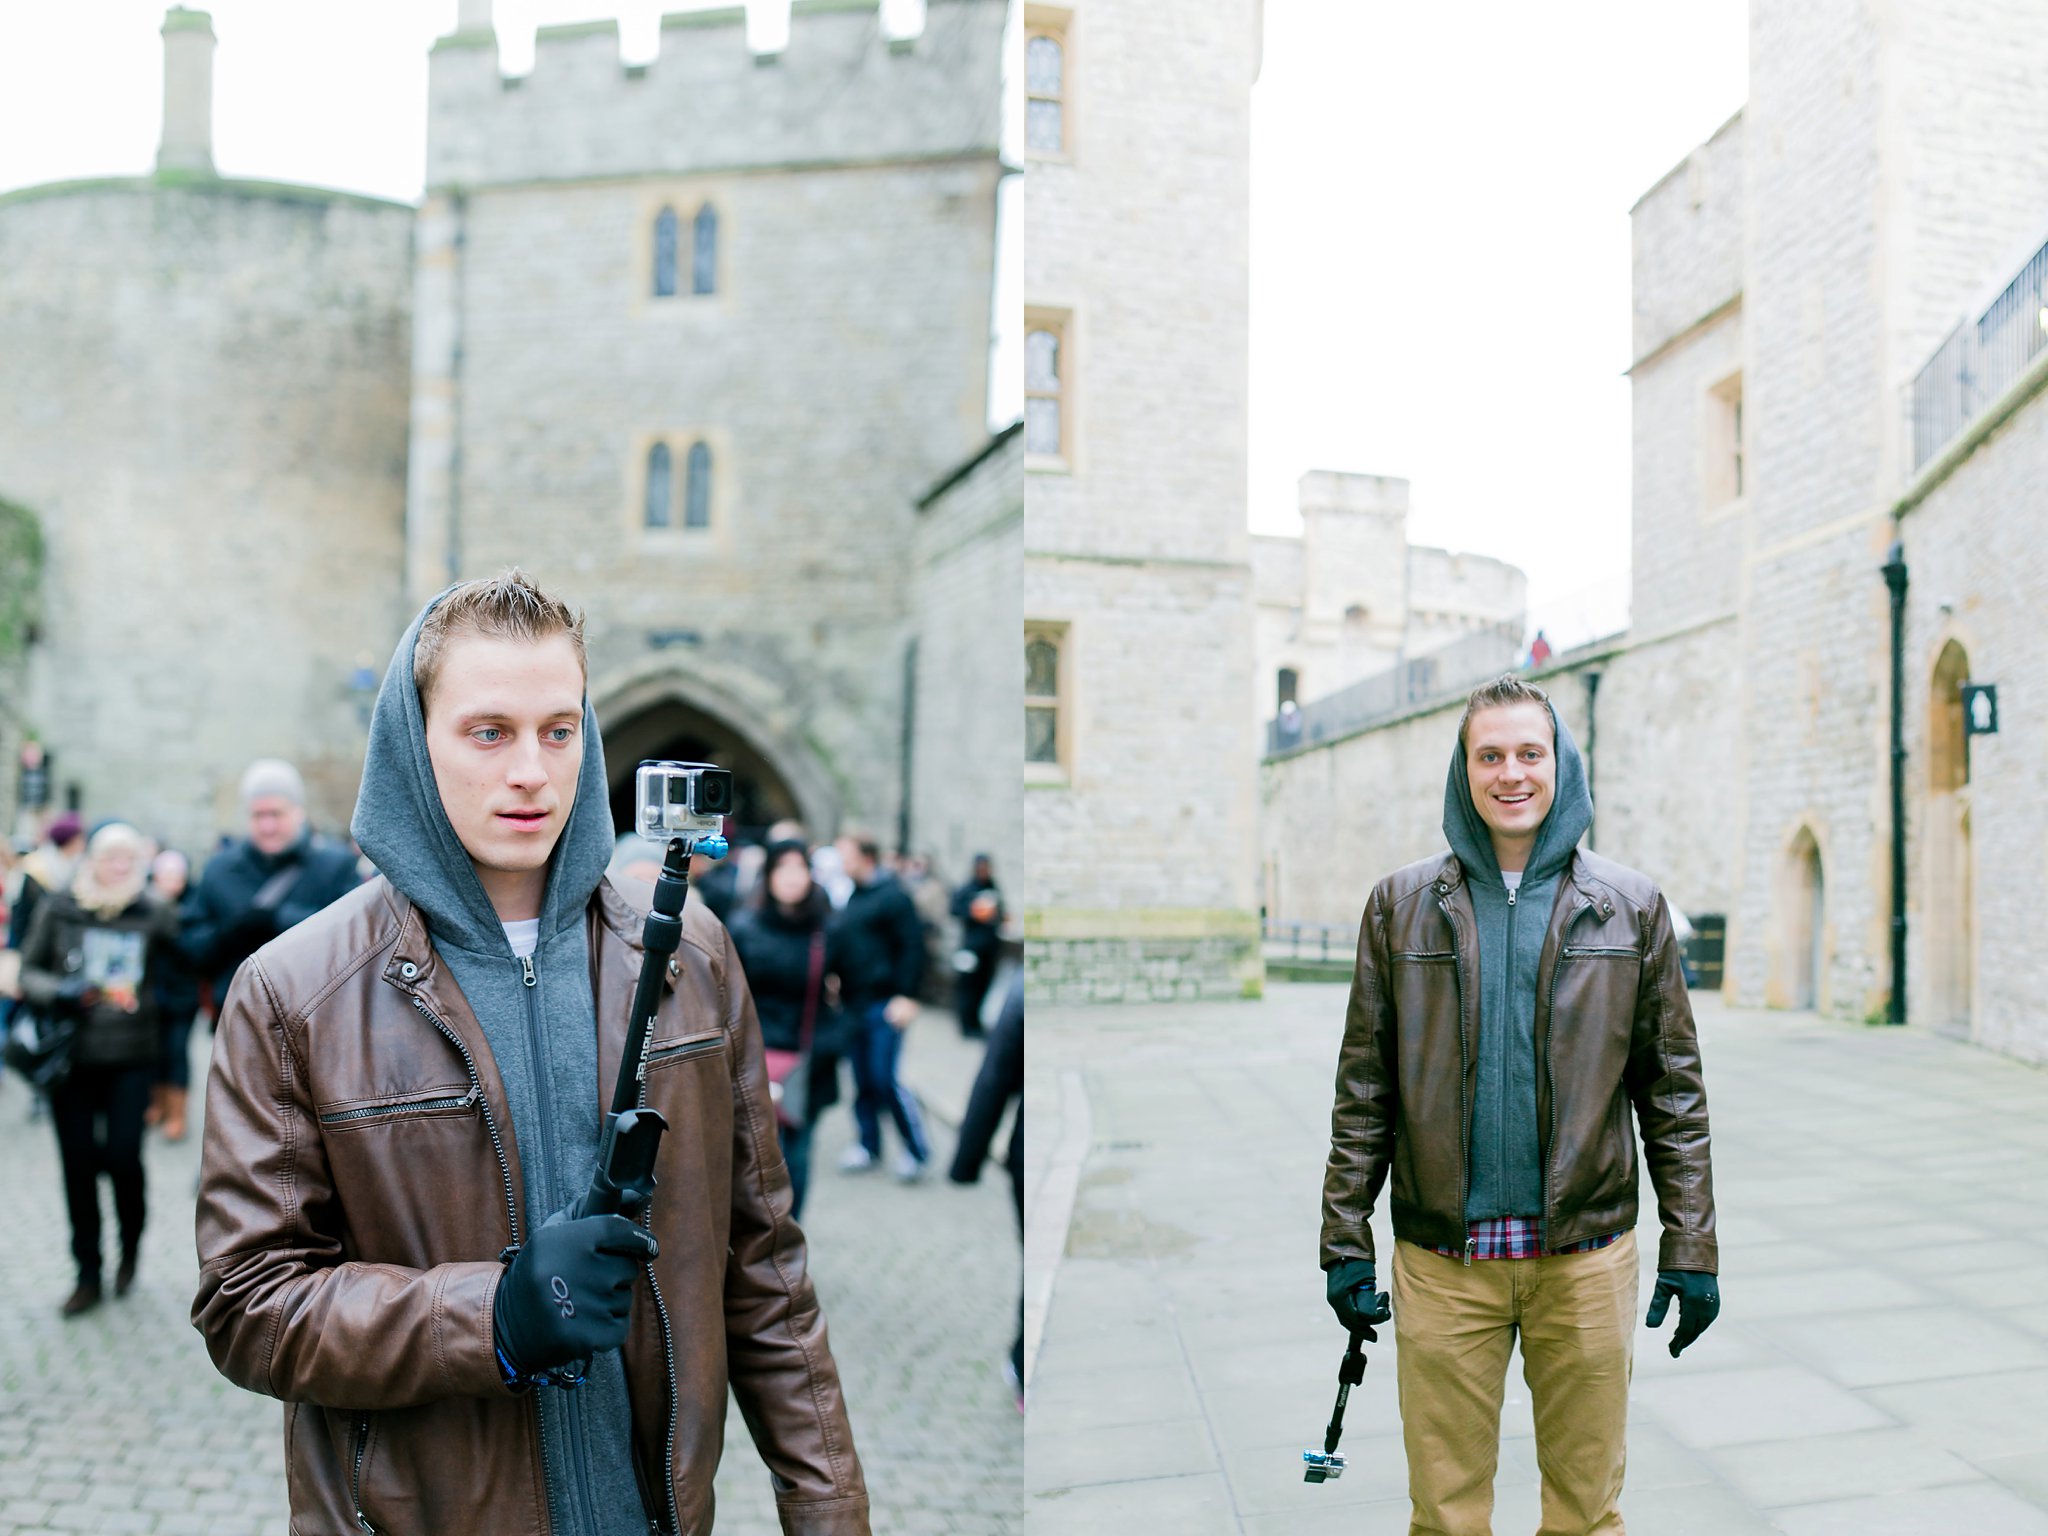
(1308, 941)
(1424, 679)
(1980, 359)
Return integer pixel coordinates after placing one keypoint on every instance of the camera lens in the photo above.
(714, 792)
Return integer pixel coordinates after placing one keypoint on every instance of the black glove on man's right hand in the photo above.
(568, 1294)
(1349, 1288)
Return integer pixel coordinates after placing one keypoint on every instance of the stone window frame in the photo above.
(686, 201)
(1055, 23)
(716, 535)
(1060, 635)
(1724, 457)
(1061, 322)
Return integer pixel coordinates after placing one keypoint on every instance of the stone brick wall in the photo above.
(1978, 576)
(837, 373)
(1687, 241)
(1141, 857)
(204, 404)
(967, 606)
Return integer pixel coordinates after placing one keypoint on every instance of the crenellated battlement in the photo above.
(840, 89)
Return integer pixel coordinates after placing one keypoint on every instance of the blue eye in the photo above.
(487, 734)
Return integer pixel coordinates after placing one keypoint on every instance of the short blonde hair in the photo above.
(1505, 689)
(507, 606)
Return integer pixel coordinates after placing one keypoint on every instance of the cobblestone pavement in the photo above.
(1880, 1364)
(117, 1422)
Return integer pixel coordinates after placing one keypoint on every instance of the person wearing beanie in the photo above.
(48, 868)
(403, 1121)
(95, 954)
(262, 884)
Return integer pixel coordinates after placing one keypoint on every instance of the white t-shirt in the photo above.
(1512, 878)
(523, 936)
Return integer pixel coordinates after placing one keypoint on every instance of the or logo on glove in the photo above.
(568, 1294)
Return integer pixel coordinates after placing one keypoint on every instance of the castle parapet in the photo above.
(840, 90)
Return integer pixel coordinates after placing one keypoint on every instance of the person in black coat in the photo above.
(882, 964)
(791, 955)
(1000, 1081)
(177, 996)
(94, 955)
(978, 906)
(257, 887)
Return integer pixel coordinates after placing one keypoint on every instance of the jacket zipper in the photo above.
(668, 1342)
(1500, 1141)
(1464, 1110)
(395, 1108)
(1549, 1071)
(356, 1483)
(476, 1089)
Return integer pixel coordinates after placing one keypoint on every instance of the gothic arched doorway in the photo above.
(1800, 979)
(1950, 898)
(671, 728)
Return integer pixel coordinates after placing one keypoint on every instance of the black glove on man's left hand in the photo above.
(1349, 1288)
(1699, 1303)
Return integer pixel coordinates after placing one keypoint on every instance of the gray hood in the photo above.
(400, 824)
(1571, 812)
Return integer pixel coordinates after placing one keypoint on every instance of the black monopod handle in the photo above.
(631, 1139)
(1350, 1372)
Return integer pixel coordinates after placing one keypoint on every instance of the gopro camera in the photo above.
(686, 800)
(1323, 1466)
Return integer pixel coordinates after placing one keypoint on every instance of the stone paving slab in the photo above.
(117, 1421)
(1877, 1366)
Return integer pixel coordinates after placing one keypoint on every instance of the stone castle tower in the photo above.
(1140, 794)
(690, 340)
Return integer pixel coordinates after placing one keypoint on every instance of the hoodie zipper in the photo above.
(1464, 1109)
(585, 1511)
(1549, 1071)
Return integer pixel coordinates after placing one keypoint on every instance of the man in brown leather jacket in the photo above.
(404, 1109)
(1514, 1000)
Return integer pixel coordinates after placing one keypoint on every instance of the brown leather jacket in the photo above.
(1613, 1029)
(360, 1179)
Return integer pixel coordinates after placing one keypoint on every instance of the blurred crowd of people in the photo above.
(114, 951)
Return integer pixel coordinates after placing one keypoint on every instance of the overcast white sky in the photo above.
(334, 95)
(1440, 262)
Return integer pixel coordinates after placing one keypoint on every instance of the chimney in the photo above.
(188, 93)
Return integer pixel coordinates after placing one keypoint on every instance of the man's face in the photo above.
(274, 823)
(853, 861)
(1511, 761)
(505, 737)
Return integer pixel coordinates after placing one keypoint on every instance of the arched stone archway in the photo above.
(672, 717)
(1949, 910)
(1799, 971)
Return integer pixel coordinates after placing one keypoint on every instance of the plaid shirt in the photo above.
(1517, 1237)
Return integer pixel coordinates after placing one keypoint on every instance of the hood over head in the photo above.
(1571, 812)
(399, 821)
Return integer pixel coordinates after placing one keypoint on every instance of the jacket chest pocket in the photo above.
(360, 1114)
(673, 1053)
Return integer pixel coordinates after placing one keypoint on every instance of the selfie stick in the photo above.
(1329, 1464)
(632, 1134)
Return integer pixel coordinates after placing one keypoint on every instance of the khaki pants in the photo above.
(1576, 1313)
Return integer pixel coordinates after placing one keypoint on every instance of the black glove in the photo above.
(1699, 1303)
(568, 1294)
(1349, 1288)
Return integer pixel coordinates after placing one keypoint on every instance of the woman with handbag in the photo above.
(94, 954)
(786, 947)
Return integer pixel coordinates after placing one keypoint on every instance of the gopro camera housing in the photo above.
(1323, 1466)
(688, 800)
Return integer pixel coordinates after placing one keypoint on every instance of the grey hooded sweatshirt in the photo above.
(541, 1024)
(1507, 1156)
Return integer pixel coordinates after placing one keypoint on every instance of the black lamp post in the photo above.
(1894, 569)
